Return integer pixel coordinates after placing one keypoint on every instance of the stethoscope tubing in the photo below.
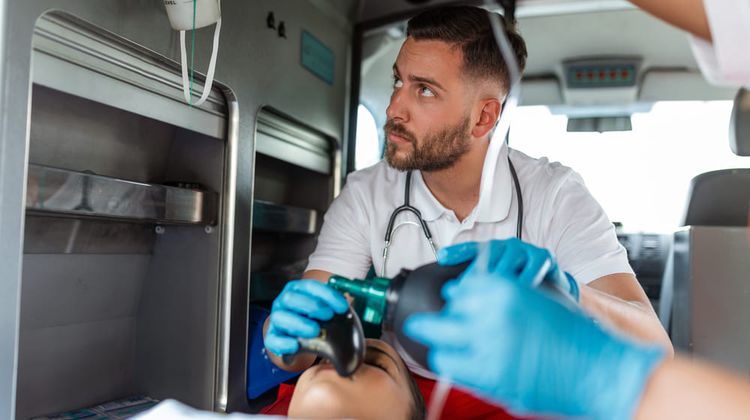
(407, 207)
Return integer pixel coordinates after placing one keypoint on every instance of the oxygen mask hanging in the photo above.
(189, 15)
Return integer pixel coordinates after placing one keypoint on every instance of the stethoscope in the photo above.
(406, 207)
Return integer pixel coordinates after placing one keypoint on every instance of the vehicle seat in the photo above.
(717, 198)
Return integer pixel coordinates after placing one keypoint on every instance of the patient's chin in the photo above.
(322, 399)
(370, 394)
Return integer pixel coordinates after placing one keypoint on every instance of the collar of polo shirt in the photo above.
(494, 208)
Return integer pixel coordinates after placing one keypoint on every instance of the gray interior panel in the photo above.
(711, 313)
(60, 290)
(177, 318)
(48, 235)
(82, 364)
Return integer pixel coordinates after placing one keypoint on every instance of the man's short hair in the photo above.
(470, 29)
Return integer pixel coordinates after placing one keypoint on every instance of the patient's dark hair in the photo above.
(418, 410)
(470, 29)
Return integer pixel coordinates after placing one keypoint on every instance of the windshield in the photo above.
(640, 177)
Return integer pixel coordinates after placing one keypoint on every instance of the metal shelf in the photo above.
(54, 191)
(286, 219)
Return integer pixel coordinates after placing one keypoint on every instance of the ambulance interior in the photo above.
(144, 239)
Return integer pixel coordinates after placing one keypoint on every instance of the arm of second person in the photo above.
(688, 15)
(692, 390)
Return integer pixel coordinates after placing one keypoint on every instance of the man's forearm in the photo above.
(630, 317)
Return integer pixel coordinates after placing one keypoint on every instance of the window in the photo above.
(368, 146)
(640, 177)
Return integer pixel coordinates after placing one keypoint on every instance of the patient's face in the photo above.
(380, 388)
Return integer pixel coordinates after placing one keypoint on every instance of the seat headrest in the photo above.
(739, 126)
(719, 198)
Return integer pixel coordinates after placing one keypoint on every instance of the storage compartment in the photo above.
(295, 181)
(124, 244)
(112, 309)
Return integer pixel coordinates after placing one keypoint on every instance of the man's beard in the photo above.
(436, 151)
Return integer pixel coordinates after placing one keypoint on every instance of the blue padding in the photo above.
(262, 374)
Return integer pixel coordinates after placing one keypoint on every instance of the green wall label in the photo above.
(317, 57)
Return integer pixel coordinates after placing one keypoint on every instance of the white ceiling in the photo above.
(379, 9)
(610, 30)
(553, 39)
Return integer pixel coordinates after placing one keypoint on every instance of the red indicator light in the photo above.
(625, 74)
(590, 75)
(602, 75)
(613, 75)
(579, 75)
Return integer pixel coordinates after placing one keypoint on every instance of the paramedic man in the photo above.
(448, 89)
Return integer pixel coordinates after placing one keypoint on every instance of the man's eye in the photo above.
(397, 83)
(425, 91)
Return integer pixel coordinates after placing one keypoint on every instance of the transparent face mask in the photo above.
(437, 401)
(511, 100)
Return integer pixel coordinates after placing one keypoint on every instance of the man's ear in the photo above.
(488, 116)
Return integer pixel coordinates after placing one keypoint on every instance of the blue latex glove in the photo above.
(512, 258)
(295, 310)
(532, 353)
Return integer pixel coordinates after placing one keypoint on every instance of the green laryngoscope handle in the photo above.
(373, 291)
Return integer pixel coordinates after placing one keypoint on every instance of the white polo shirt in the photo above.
(726, 61)
(559, 214)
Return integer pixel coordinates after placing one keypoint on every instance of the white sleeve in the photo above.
(343, 247)
(580, 234)
(726, 61)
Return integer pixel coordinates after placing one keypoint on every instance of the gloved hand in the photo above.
(295, 310)
(511, 258)
(531, 353)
